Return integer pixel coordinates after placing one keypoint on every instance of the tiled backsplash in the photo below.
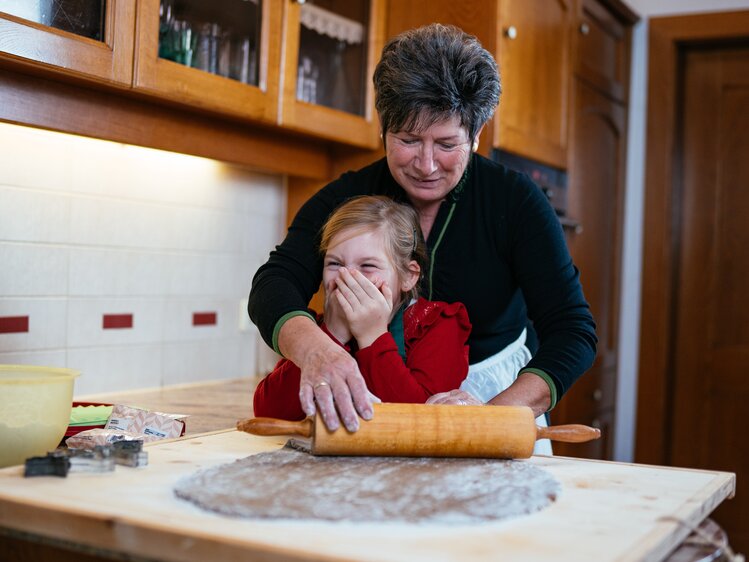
(129, 264)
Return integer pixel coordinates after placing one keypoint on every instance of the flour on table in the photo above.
(292, 484)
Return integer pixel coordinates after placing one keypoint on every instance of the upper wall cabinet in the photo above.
(603, 50)
(303, 65)
(223, 55)
(332, 47)
(533, 46)
(91, 39)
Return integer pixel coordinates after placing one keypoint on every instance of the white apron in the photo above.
(496, 373)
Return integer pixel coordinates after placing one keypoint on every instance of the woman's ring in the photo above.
(318, 385)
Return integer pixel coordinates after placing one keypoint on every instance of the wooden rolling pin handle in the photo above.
(572, 433)
(271, 426)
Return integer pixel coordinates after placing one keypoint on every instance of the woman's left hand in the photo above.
(367, 306)
(455, 398)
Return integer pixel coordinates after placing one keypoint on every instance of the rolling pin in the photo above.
(425, 430)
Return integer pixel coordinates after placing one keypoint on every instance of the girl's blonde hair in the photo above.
(400, 224)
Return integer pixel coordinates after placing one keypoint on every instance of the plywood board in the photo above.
(606, 511)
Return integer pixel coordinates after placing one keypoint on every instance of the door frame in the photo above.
(668, 38)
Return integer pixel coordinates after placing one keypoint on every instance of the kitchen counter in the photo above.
(211, 406)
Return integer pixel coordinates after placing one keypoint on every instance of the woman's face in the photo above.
(429, 163)
(366, 252)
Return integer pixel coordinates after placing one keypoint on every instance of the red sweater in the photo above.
(435, 336)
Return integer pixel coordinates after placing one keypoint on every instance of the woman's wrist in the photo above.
(528, 390)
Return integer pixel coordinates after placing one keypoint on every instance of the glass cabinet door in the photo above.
(221, 37)
(332, 47)
(85, 38)
(332, 54)
(221, 55)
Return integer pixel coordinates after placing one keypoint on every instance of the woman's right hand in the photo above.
(330, 379)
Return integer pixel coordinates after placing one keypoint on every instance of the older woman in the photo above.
(494, 242)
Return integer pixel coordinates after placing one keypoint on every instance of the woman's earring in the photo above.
(475, 145)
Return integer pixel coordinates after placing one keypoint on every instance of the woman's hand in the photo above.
(455, 397)
(367, 306)
(330, 378)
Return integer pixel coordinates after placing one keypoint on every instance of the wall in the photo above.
(166, 243)
(632, 253)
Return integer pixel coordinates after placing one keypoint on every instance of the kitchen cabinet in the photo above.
(595, 197)
(531, 40)
(533, 51)
(222, 56)
(331, 49)
(238, 59)
(603, 50)
(96, 43)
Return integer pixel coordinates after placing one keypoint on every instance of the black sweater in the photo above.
(496, 246)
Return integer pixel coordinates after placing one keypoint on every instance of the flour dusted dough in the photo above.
(292, 484)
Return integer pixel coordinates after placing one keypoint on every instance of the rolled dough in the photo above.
(292, 484)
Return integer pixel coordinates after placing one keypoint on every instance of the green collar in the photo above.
(396, 330)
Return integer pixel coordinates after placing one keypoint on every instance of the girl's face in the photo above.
(365, 251)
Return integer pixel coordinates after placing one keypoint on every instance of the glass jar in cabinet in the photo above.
(88, 39)
(222, 56)
(331, 49)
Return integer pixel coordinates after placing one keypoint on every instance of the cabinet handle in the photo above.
(511, 32)
(597, 395)
(596, 423)
(572, 225)
(584, 28)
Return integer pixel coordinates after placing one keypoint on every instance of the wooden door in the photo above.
(108, 59)
(595, 201)
(534, 63)
(711, 320)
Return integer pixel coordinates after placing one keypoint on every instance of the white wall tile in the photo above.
(84, 326)
(201, 361)
(33, 270)
(104, 369)
(34, 159)
(47, 324)
(115, 272)
(55, 358)
(33, 216)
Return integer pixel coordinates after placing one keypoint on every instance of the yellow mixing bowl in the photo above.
(35, 404)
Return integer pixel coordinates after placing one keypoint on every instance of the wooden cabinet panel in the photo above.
(534, 62)
(602, 448)
(349, 127)
(595, 200)
(602, 48)
(44, 48)
(196, 88)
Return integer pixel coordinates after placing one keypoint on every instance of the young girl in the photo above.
(407, 348)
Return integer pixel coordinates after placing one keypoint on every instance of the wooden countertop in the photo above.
(211, 406)
(606, 511)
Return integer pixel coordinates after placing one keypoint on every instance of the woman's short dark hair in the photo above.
(435, 72)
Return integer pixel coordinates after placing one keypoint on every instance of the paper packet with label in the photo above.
(150, 425)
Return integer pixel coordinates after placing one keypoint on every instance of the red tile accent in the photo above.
(204, 318)
(14, 324)
(117, 321)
